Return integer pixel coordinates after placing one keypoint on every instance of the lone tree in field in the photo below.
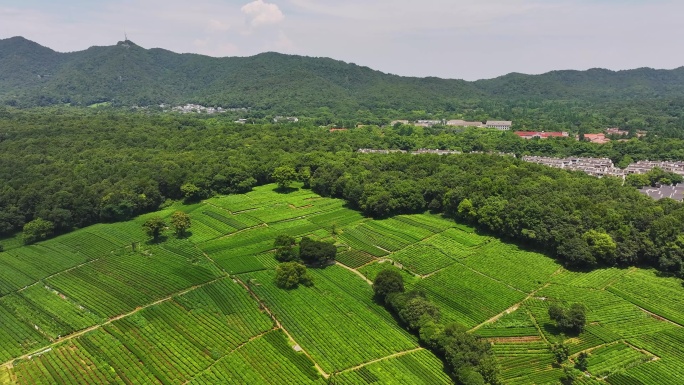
(284, 176)
(316, 252)
(154, 227)
(387, 282)
(290, 274)
(180, 222)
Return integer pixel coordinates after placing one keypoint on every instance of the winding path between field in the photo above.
(368, 281)
(79, 333)
(399, 354)
(280, 326)
(511, 309)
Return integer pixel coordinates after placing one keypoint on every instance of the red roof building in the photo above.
(596, 138)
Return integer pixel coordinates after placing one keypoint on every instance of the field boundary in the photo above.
(510, 310)
(268, 311)
(398, 354)
(240, 346)
(109, 321)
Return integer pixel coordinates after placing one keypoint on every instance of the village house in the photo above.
(644, 166)
(463, 123)
(432, 151)
(540, 134)
(503, 125)
(290, 119)
(616, 131)
(672, 192)
(596, 138)
(427, 123)
(374, 151)
(598, 167)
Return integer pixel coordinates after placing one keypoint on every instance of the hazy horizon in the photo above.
(462, 39)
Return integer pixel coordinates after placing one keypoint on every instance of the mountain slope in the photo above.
(127, 74)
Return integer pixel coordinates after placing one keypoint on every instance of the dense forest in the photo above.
(65, 168)
(335, 92)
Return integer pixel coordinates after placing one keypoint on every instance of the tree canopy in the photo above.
(36, 230)
(180, 222)
(289, 275)
(284, 176)
(135, 161)
(285, 248)
(387, 282)
(572, 319)
(154, 227)
(316, 252)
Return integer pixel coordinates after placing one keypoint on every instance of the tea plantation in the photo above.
(104, 304)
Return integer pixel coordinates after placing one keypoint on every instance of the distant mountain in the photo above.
(127, 74)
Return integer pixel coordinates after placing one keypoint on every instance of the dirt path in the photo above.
(511, 309)
(116, 318)
(208, 368)
(405, 352)
(536, 325)
(280, 326)
(368, 281)
(62, 272)
(519, 340)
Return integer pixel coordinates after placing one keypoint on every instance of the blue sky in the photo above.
(465, 39)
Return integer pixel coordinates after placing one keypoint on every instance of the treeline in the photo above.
(75, 167)
(469, 359)
(582, 220)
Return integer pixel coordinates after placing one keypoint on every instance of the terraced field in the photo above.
(89, 307)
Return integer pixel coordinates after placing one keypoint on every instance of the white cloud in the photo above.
(217, 26)
(262, 13)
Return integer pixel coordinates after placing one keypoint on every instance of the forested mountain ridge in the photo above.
(126, 74)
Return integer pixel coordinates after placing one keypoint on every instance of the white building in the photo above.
(503, 125)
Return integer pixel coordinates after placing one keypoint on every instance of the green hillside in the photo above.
(126, 74)
(88, 308)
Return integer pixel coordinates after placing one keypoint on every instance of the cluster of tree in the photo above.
(291, 271)
(572, 319)
(315, 252)
(155, 226)
(286, 248)
(289, 275)
(570, 372)
(309, 251)
(582, 220)
(470, 360)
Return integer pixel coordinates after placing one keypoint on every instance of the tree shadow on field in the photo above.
(186, 235)
(285, 190)
(158, 240)
(551, 328)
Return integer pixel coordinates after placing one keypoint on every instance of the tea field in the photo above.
(104, 305)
